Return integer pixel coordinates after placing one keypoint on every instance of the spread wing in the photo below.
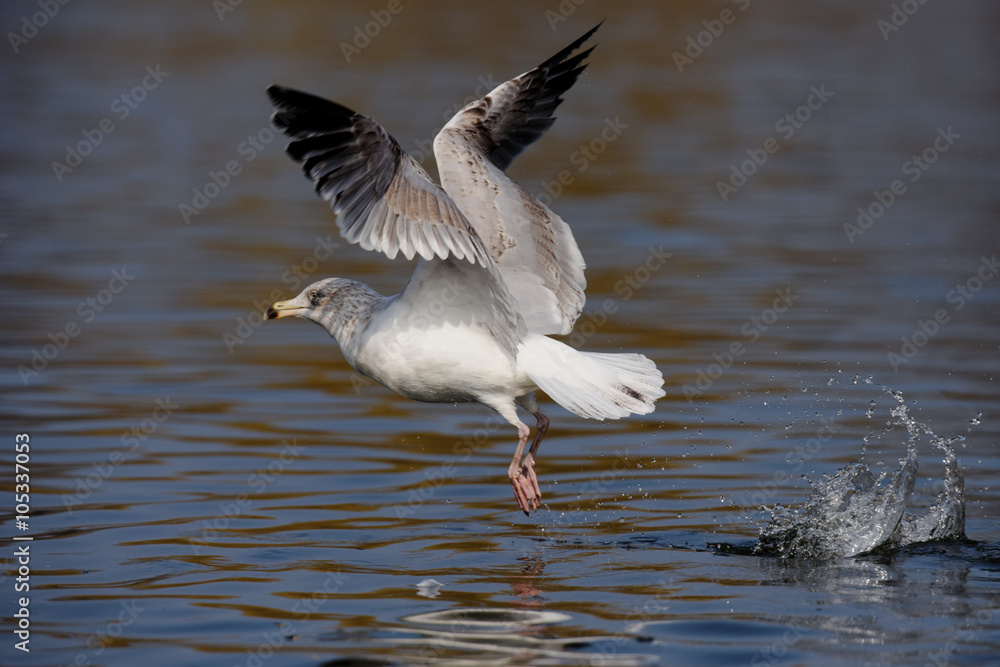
(533, 247)
(384, 200)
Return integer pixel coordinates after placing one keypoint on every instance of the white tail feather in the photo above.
(591, 384)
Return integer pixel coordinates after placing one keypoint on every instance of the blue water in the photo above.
(210, 489)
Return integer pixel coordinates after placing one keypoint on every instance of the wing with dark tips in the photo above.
(534, 248)
(517, 112)
(384, 200)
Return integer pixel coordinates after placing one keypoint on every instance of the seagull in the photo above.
(497, 271)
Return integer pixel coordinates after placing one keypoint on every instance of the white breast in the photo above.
(440, 361)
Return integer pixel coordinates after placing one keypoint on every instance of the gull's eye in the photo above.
(314, 296)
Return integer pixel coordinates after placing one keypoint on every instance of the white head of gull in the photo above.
(497, 271)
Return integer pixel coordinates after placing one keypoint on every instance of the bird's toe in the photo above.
(525, 492)
(528, 470)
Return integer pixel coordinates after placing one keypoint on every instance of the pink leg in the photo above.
(525, 491)
(522, 473)
(529, 460)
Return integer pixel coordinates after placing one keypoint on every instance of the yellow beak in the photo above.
(284, 309)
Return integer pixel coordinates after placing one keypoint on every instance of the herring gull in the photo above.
(497, 270)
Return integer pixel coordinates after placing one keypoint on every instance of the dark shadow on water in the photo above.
(981, 553)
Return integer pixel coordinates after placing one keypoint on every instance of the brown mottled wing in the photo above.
(384, 200)
(533, 247)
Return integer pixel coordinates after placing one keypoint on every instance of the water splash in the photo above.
(853, 512)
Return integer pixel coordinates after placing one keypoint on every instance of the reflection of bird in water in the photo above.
(497, 270)
(524, 585)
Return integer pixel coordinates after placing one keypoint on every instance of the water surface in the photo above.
(208, 489)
